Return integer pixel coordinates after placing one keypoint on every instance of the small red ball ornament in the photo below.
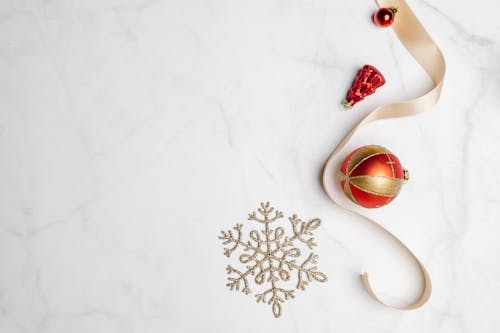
(384, 16)
(372, 176)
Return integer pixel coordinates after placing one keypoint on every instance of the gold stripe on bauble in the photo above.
(378, 185)
(364, 154)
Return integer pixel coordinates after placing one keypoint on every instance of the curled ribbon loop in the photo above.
(420, 45)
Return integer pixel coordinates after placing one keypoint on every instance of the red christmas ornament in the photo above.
(372, 176)
(384, 16)
(368, 80)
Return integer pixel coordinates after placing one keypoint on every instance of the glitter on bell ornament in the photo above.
(367, 81)
(372, 176)
(384, 17)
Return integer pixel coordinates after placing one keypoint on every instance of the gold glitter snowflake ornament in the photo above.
(270, 257)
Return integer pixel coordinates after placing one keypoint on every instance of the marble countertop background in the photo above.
(133, 131)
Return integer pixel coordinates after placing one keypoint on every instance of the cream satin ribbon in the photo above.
(420, 45)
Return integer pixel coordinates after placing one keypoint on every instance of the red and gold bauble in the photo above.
(384, 17)
(372, 176)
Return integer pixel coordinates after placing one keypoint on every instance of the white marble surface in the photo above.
(132, 131)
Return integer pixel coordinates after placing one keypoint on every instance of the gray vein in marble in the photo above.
(64, 85)
(266, 170)
(227, 125)
(324, 65)
(462, 32)
(110, 315)
(139, 6)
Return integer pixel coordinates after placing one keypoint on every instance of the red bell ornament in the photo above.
(372, 176)
(367, 81)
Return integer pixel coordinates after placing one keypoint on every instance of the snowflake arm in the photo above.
(275, 298)
(234, 282)
(310, 273)
(228, 237)
(305, 229)
(265, 210)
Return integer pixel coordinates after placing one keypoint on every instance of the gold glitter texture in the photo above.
(270, 258)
